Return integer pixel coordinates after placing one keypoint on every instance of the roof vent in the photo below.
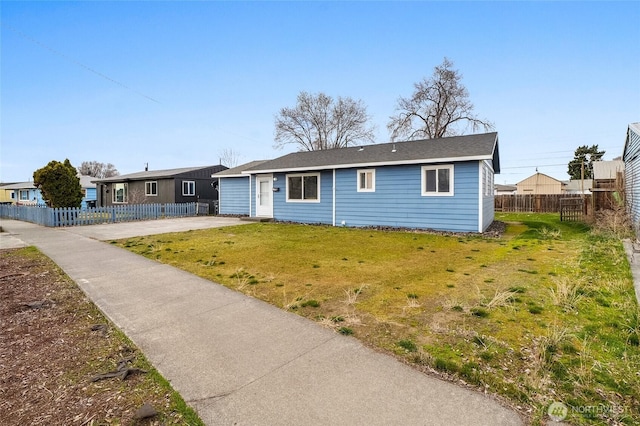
(394, 148)
(360, 149)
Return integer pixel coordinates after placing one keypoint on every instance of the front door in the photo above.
(264, 196)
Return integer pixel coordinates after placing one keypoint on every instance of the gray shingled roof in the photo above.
(237, 171)
(18, 185)
(457, 148)
(85, 182)
(152, 174)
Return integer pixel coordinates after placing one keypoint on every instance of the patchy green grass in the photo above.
(545, 313)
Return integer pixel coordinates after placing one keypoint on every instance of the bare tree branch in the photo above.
(438, 107)
(317, 122)
(98, 170)
(229, 157)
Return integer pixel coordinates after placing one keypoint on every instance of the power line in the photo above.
(75, 62)
(536, 165)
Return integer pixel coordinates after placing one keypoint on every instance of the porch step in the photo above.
(257, 219)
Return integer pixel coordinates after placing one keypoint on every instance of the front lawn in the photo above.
(545, 313)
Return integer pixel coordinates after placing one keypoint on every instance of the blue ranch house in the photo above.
(442, 184)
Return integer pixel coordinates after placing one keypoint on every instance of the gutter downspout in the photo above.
(480, 204)
(334, 198)
(250, 196)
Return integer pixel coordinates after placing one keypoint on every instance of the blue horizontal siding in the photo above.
(234, 195)
(89, 196)
(488, 206)
(397, 200)
(304, 212)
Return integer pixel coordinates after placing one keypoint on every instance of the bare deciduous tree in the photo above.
(98, 170)
(229, 157)
(317, 122)
(438, 107)
(136, 196)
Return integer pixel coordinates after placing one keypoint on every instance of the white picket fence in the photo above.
(96, 215)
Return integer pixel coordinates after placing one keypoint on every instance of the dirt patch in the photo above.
(54, 342)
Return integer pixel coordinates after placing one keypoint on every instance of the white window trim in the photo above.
(193, 183)
(147, 184)
(303, 175)
(423, 184)
(24, 192)
(488, 181)
(125, 195)
(373, 180)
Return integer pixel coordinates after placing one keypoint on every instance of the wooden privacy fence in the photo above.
(538, 203)
(571, 209)
(96, 215)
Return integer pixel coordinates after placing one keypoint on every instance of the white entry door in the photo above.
(264, 196)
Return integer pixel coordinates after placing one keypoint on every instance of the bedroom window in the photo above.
(151, 188)
(303, 187)
(189, 188)
(120, 192)
(367, 180)
(437, 180)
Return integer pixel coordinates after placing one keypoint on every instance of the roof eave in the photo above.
(235, 175)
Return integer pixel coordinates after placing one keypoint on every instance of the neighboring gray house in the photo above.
(184, 185)
(631, 158)
(444, 184)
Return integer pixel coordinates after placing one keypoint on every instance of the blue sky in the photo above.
(172, 84)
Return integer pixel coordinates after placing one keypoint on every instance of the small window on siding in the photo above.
(151, 188)
(303, 187)
(188, 188)
(437, 180)
(488, 180)
(367, 180)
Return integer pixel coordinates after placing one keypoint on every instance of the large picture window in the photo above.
(119, 191)
(303, 187)
(437, 180)
(151, 188)
(189, 188)
(367, 180)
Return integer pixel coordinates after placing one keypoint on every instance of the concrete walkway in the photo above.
(237, 360)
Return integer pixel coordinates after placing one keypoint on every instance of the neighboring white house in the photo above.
(504, 189)
(577, 186)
